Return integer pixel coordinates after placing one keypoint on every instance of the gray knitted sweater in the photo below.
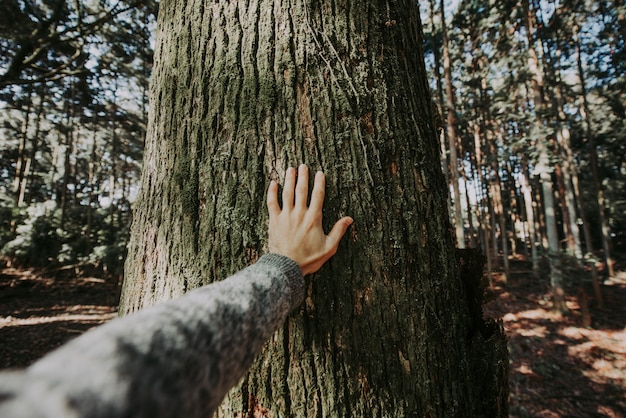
(177, 359)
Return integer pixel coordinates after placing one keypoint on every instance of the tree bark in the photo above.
(495, 191)
(451, 130)
(530, 216)
(68, 152)
(483, 211)
(392, 325)
(565, 150)
(544, 169)
(21, 160)
(554, 250)
(605, 230)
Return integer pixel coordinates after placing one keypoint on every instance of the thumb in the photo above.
(338, 231)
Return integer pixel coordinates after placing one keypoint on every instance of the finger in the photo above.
(302, 187)
(317, 195)
(290, 183)
(338, 231)
(272, 199)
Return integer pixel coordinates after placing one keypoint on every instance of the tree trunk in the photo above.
(565, 150)
(24, 197)
(21, 149)
(439, 122)
(593, 156)
(31, 164)
(530, 216)
(452, 135)
(391, 326)
(113, 175)
(495, 191)
(512, 209)
(544, 169)
(91, 183)
(68, 152)
(569, 172)
(565, 213)
(482, 208)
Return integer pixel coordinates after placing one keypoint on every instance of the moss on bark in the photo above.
(390, 326)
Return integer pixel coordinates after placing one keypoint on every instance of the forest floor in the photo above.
(558, 368)
(40, 311)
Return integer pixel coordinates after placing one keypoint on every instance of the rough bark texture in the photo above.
(391, 326)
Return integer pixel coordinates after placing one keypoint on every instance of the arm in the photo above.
(180, 358)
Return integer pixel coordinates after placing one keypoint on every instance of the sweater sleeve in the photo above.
(177, 359)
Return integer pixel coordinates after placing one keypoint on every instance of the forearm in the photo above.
(176, 359)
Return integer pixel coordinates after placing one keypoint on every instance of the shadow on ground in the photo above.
(40, 312)
(558, 368)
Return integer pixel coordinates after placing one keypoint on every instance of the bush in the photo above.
(36, 241)
(39, 240)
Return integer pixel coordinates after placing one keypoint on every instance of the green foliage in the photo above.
(36, 241)
(40, 240)
(516, 76)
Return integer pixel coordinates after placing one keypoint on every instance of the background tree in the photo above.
(393, 325)
(532, 119)
(72, 139)
(43, 41)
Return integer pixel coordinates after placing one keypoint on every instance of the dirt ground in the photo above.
(558, 368)
(40, 311)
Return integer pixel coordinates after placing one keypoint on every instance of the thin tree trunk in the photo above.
(563, 172)
(593, 156)
(513, 211)
(556, 276)
(443, 138)
(482, 215)
(26, 192)
(114, 167)
(565, 214)
(21, 149)
(564, 145)
(23, 183)
(67, 162)
(489, 190)
(91, 183)
(569, 172)
(530, 216)
(452, 134)
(595, 279)
(482, 209)
(468, 203)
(540, 216)
(544, 169)
(498, 206)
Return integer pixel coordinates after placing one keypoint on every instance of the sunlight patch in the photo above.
(80, 315)
(524, 369)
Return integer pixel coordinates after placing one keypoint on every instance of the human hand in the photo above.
(295, 231)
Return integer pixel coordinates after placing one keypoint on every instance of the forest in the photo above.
(529, 99)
